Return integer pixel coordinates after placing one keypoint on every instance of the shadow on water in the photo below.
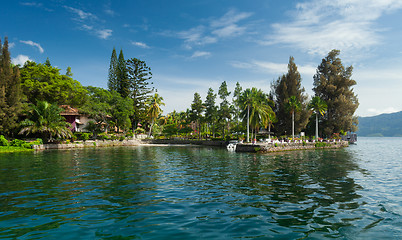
(178, 192)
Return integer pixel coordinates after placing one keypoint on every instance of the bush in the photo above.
(3, 141)
(122, 138)
(103, 136)
(85, 136)
(17, 143)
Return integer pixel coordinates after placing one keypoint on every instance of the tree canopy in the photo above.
(10, 92)
(41, 82)
(333, 84)
(283, 88)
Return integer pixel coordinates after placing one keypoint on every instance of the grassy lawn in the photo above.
(11, 149)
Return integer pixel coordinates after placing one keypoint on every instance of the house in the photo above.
(78, 121)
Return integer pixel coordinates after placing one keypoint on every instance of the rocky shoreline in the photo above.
(252, 148)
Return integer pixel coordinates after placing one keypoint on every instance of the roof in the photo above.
(69, 111)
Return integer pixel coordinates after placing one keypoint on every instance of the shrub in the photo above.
(103, 136)
(17, 143)
(122, 138)
(3, 141)
(85, 136)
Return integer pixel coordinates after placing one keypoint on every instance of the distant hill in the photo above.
(384, 125)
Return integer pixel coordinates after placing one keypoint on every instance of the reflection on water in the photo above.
(191, 192)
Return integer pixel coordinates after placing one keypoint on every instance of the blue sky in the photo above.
(194, 45)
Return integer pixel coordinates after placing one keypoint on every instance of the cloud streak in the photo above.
(140, 44)
(227, 26)
(272, 67)
(33, 44)
(89, 22)
(322, 25)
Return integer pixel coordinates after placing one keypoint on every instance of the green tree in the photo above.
(197, 109)
(68, 72)
(293, 106)
(257, 111)
(224, 107)
(45, 83)
(236, 101)
(47, 63)
(154, 109)
(108, 107)
(122, 78)
(283, 88)
(211, 110)
(112, 77)
(333, 84)
(319, 107)
(45, 119)
(10, 92)
(139, 75)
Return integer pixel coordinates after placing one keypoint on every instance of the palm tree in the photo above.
(257, 102)
(319, 107)
(246, 100)
(293, 106)
(45, 119)
(154, 109)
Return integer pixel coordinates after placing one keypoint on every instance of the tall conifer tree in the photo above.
(112, 77)
(333, 84)
(139, 76)
(286, 86)
(122, 82)
(10, 92)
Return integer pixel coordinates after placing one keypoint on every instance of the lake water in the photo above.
(161, 192)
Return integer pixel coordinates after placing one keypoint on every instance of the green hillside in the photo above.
(384, 125)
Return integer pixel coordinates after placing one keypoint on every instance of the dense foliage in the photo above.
(43, 82)
(10, 92)
(333, 84)
(283, 89)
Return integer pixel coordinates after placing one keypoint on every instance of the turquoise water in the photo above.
(203, 193)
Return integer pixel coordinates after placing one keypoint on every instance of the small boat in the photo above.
(232, 145)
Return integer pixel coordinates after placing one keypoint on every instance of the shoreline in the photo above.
(250, 148)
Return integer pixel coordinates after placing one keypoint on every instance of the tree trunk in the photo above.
(316, 126)
(293, 125)
(248, 123)
(150, 128)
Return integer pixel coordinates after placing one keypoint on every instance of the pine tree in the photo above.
(224, 107)
(47, 62)
(333, 84)
(10, 92)
(139, 76)
(283, 88)
(236, 100)
(122, 81)
(211, 109)
(68, 72)
(112, 78)
(197, 109)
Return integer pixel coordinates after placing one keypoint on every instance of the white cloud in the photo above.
(225, 27)
(140, 44)
(20, 60)
(104, 33)
(322, 25)
(198, 54)
(89, 23)
(34, 44)
(82, 15)
(271, 67)
(11, 45)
